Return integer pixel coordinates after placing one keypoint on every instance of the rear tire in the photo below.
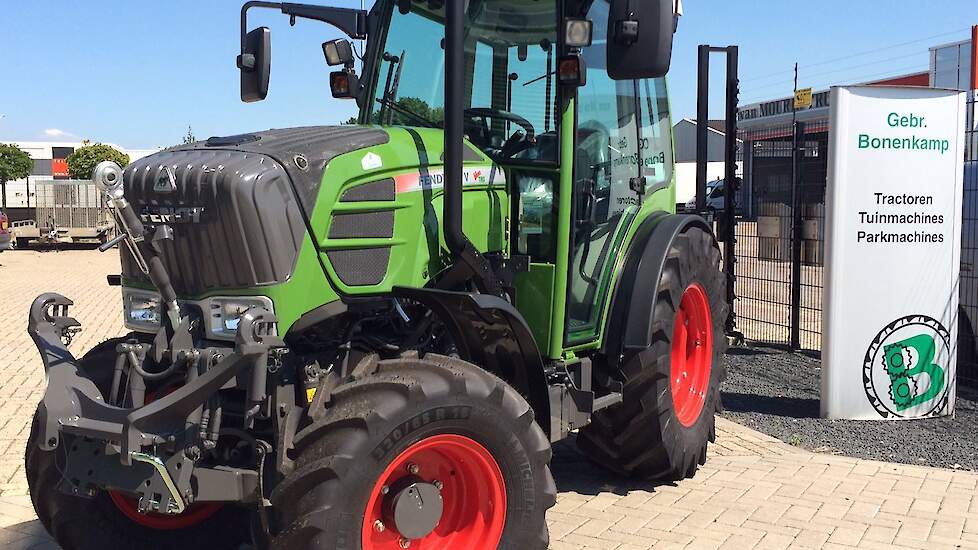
(96, 524)
(647, 435)
(357, 443)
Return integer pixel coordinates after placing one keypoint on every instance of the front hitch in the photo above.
(73, 404)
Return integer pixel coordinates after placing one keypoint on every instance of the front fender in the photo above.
(490, 333)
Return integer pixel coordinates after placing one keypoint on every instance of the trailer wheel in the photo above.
(427, 453)
(107, 521)
(671, 392)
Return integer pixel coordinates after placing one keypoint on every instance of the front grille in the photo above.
(249, 230)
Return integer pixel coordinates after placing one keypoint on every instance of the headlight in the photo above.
(141, 309)
(225, 313)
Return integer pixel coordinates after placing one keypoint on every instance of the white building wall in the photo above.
(42, 150)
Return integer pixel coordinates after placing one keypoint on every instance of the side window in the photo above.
(655, 143)
(606, 159)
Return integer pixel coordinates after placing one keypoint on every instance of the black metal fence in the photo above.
(780, 236)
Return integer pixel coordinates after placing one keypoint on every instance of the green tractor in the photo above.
(368, 336)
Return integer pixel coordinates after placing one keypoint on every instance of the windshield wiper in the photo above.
(394, 106)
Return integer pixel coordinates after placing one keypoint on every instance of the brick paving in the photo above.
(755, 491)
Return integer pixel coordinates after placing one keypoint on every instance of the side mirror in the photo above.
(641, 38)
(255, 63)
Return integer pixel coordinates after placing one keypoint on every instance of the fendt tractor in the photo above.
(368, 336)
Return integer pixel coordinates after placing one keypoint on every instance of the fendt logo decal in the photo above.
(171, 215)
(435, 179)
(905, 368)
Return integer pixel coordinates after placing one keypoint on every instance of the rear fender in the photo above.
(629, 327)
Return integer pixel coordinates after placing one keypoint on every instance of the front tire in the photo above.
(438, 422)
(96, 524)
(671, 392)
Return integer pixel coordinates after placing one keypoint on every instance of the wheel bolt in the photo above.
(404, 543)
(438, 485)
(379, 526)
(385, 489)
(413, 470)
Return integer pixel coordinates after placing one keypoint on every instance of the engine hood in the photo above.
(303, 152)
(238, 205)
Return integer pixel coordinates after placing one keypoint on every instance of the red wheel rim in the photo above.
(691, 360)
(193, 515)
(473, 492)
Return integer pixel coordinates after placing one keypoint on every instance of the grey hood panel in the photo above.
(318, 145)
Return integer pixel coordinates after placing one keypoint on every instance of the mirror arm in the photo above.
(244, 18)
(353, 22)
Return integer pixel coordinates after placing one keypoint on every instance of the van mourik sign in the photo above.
(894, 241)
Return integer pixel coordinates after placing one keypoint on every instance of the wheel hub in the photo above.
(414, 510)
(445, 492)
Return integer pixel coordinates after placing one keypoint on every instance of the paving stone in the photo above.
(755, 492)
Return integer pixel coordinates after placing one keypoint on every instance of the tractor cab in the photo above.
(540, 102)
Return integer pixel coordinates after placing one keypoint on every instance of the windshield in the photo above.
(510, 89)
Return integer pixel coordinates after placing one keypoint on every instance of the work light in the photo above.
(338, 52)
(578, 33)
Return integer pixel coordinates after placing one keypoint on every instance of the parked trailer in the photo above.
(66, 211)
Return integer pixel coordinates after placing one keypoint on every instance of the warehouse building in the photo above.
(50, 162)
(765, 129)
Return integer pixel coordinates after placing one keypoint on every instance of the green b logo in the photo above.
(905, 368)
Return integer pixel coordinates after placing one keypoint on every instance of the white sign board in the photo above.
(894, 191)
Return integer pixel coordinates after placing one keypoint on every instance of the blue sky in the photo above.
(137, 73)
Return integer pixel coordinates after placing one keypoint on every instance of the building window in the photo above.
(951, 66)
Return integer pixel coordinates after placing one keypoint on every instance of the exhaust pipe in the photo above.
(454, 129)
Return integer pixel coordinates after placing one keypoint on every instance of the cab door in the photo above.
(606, 163)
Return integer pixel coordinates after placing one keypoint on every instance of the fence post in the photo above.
(731, 186)
(702, 120)
(797, 154)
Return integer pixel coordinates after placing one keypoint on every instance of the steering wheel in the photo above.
(518, 140)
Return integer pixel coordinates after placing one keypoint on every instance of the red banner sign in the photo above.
(59, 168)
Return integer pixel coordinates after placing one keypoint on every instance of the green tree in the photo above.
(82, 162)
(14, 165)
(413, 111)
(189, 138)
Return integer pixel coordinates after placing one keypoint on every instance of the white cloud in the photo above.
(54, 132)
